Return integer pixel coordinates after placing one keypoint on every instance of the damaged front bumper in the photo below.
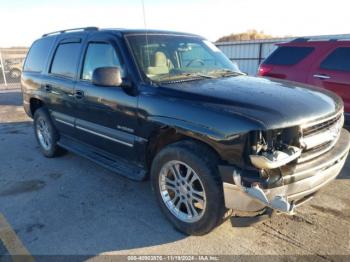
(299, 182)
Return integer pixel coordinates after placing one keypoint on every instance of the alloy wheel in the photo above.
(182, 191)
(44, 135)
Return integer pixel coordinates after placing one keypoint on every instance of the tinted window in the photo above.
(288, 55)
(99, 55)
(66, 60)
(38, 54)
(338, 60)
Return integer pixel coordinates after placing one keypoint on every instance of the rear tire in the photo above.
(188, 187)
(46, 133)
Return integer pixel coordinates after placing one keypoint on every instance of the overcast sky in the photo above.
(24, 21)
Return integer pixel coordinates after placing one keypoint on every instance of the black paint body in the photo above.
(140, 115)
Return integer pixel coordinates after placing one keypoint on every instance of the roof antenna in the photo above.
(144, 14)
(145, 25)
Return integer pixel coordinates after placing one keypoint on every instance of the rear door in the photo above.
(288, 62)
(34, 72)
(60, 81)
(106, 116)
(332, 72)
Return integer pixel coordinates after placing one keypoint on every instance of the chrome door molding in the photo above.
(104, 136)
(111, 134)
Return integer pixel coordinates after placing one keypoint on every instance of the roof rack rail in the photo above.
(300, 39)
(330, 38)
(91, 28)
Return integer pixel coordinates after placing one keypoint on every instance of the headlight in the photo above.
(276, 148)
(275, 158)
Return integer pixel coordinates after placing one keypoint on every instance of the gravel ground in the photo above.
(69, 205)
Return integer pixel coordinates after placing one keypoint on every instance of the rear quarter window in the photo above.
(338, 60)
(65, 61)
(38, 54)
(288, 55)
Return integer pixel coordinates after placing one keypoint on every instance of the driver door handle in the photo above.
(48, 87)
(79, 94)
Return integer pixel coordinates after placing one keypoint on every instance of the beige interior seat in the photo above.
(160, 64)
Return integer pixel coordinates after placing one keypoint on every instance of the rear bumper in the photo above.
(304, 180)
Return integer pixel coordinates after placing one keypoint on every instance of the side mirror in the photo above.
(107, 76)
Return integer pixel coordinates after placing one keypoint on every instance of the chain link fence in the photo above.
(11, 63)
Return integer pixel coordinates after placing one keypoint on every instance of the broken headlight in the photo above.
(275, 148)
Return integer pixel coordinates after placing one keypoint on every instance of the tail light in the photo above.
(264, 70)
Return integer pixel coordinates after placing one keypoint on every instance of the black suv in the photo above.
(170, 106)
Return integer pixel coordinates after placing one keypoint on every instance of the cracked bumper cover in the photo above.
(302, 181)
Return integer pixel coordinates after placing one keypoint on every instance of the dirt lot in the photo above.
(69, 205)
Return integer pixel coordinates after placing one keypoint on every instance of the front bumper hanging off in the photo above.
(298, 185)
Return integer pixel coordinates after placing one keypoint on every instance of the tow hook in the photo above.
(278, 202)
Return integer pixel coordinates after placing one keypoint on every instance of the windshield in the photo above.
(166, 58)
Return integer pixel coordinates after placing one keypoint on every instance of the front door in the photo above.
(106, 116)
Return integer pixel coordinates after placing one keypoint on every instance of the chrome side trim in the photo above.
(63, 118)
(104, 136)
(64, 122)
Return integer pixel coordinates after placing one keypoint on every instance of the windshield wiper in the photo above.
(198, 75)
(227, 73)
(183, 77)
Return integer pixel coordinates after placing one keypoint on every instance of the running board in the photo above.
(109, 161)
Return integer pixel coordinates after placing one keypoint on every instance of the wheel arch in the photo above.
(35, 104)
(167, 135)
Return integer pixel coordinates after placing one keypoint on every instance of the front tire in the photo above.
(46, 133)
(188, 187)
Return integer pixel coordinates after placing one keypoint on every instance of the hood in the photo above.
(269, 102)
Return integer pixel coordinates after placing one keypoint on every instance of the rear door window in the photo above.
(288, 55)
(66, 60)
(338, 60)
(38, 55)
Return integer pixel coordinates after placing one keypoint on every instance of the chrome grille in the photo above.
(320, 137)
(321, 126)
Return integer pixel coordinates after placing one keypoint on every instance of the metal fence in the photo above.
(249, 54)
(11, 62)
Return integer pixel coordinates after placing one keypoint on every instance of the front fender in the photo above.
(188, 128)
(229, 147)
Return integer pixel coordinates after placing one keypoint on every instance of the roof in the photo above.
(119, 30)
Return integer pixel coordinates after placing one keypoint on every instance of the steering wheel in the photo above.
(195, 60)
